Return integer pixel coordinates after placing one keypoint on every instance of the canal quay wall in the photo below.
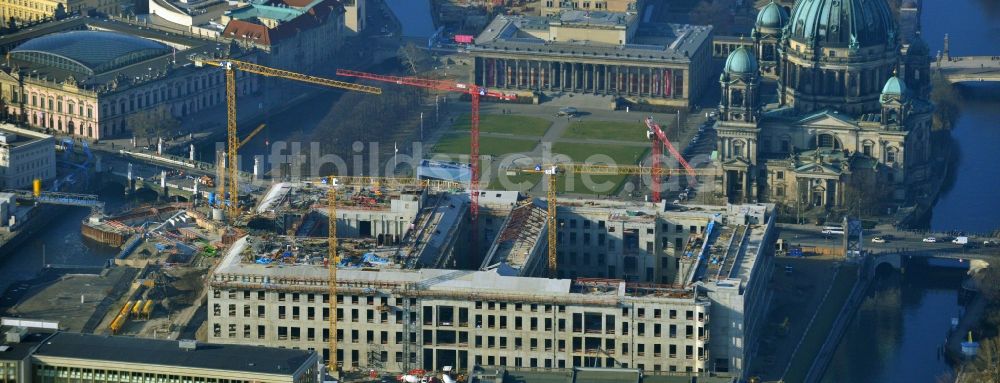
(866, 275)
(38, 219)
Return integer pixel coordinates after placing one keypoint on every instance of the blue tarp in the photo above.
(448, 171)
(375, 260)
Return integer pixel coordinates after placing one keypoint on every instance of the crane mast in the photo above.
(233, 144)
(551, 171)
(659, 140)
(475, 92)
(331, 196)
(232, 139)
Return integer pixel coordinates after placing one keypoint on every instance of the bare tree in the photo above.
(413, 57)
(152, 123)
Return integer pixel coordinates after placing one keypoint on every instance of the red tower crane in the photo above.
(659, 139)
(473, 90)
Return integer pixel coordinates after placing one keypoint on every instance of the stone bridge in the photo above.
(958, 69)
(897, 259)
(970, 68)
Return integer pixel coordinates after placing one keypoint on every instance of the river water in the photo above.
(896, 333)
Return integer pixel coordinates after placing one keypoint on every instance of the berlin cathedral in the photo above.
(846, 99)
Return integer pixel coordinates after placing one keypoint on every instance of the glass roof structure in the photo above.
(88, 52)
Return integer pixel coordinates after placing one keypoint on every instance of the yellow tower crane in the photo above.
(551, 171)
(333, 259)
(233, 141)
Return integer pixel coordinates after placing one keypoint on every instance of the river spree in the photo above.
(897, 331)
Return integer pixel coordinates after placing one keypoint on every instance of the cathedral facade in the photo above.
(850, 109)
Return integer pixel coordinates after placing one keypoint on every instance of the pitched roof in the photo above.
(252, 31)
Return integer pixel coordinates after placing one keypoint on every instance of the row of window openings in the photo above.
(575, 4)
(491, 360)
(150, 98)
(479, 305)
(57, 105)
(579, 344)
(577, 361)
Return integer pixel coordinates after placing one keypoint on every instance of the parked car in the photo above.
(878, 240)
(930, 240)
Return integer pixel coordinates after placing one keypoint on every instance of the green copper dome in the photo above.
(741, 61)
(772, 16)
(894, 87)
(842, 23)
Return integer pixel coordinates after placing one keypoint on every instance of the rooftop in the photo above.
(594, 19)
(12, 136)
(20, 350)
(88, 52)
(729, 248)
(267, 23)
(122, 77)
(652, 42)
(519, 237)
(467, 284)
(431, 219)
(120, 349)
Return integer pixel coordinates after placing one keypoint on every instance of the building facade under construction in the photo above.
(400, 309)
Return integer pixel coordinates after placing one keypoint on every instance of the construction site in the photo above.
(626, 296)
(406, 275)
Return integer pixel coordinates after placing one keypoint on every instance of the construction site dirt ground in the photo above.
(71, 300)
(177, 293)
(797, 294)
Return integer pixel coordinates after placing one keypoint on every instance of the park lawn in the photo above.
(505, 123)
(574, 183)
(459, 144)
(607, 130)
(620, 154)
(821, 326)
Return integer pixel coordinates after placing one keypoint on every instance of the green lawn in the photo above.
(459, 144)
(607, 130)
(503, 123)
(574, 183)
(821, 326)
(620, 154)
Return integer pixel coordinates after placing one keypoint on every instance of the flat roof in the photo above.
(435, 281)
(594, 18)
(225, 357)
(652, 42)
(20, 350)
(15, 136)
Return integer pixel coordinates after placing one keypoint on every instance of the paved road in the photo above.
(811, 235)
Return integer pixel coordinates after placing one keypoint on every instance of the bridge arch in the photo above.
(893, 261)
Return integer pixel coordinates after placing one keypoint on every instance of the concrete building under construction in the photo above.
(401, 307)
